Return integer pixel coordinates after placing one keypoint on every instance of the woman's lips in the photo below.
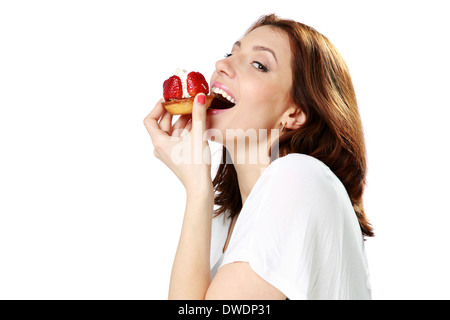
(212, 112)
(217, 84)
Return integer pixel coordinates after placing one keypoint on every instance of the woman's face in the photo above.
(258, 76)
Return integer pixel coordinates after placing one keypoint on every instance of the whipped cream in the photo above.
(183, 76)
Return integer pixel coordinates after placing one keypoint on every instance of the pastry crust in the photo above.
(184, 106)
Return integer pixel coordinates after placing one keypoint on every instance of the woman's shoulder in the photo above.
(296, 165)
(302, 177)
(299, 158)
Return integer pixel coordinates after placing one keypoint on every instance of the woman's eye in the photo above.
(259, 66)
(227, 55)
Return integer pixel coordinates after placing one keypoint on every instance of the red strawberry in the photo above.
(172, 88)
(196, 84)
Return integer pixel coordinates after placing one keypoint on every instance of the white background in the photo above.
(87, 212)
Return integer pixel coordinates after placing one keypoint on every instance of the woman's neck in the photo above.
(247, 175)
(249, 167)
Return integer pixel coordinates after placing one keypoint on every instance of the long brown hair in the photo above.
(332, 133)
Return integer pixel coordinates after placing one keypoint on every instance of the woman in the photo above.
(291, 224)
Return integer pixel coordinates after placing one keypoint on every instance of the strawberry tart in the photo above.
(180, 89)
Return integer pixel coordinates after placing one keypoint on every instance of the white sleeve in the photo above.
(287, 226)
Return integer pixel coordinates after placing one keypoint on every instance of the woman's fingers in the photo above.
(166, 123)
(186, 129)
(180, 124)
(199, 111)
(199, 118)
(200, 150)
(159, 121)
(151, 120)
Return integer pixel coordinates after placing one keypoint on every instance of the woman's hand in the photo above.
(183, 147)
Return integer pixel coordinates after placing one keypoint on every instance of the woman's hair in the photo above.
(332, 133)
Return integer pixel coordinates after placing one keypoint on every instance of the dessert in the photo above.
(179, 91)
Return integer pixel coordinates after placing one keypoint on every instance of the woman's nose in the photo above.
(225, 67)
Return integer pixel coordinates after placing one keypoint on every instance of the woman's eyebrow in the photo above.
(262, 48)
(258, 48)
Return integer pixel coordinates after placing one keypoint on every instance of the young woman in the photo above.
(290, 224)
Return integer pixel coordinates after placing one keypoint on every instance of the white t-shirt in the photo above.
(299, 232)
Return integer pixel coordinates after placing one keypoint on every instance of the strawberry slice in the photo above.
(196, 83)
(173, 88)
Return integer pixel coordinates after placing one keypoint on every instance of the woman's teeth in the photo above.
(223, 94)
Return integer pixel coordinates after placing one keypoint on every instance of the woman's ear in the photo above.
(294, 118)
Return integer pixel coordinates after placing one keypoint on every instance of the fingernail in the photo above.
(201, 99)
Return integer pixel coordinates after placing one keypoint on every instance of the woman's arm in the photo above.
(190, 277)
(238, 281)
(184, 149)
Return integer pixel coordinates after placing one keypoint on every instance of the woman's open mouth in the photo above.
(222, 97)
